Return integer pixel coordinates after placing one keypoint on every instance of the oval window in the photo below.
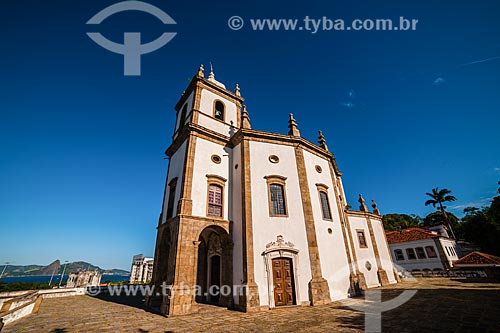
(216, 159)
(274, 159)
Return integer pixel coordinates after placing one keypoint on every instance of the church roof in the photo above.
(408, 235)
(478, 258)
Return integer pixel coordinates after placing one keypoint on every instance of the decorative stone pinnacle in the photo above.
(362, 206)
(237, 90)
(375, 209)
(292, 125)
(245, 118)
(201, 71)
(211, 76)
(322, 141)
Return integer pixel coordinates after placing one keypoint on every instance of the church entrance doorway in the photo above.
(284, 284)
(214, 268)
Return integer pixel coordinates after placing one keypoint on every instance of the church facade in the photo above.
(252, 220)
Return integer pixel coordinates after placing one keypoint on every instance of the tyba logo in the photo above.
(131, 49)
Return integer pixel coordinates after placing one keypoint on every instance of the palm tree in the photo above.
(438, 197)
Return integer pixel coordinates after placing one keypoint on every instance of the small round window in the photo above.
(216, 159)
(330, 231)
(274, 159)
(318, 169)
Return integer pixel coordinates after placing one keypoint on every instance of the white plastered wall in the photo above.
(204, 166)
(383, 249)
(266, 228)
(333, 257)
(364, 255)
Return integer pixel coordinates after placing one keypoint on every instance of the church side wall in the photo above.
(333, 258)
(175, 169)
(266, 228)
(383, 249)
(364, 255)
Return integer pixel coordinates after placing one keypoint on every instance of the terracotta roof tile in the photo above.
(478, 258)
(408, 235)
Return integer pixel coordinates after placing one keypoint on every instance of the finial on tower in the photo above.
(211, 76)
(362, 206)
(375, 208)
(292, 125)
(245, 118)
(322, 141)
(237, 90)
(201, 71)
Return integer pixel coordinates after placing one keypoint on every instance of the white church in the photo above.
(260, 216)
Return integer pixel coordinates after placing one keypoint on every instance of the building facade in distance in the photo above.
(142, 269)
(262, 215)
(421, 250)
(84, 279)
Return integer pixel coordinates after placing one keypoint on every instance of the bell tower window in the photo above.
(219, 109)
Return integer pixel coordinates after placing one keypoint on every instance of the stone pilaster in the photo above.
(249, 295)
(381, 273)
(319, 292)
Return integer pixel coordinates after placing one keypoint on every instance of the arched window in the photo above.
(325, 205)
(324, 202)
(277, 199)
(171, 197)
(219, 109)
(277, 195)
(215, 200)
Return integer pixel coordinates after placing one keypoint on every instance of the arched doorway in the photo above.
(214, 268)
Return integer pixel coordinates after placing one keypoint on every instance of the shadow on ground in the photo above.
(446, 310)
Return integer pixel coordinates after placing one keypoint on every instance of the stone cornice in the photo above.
(199, 131)
(363, 214)
(255, 135)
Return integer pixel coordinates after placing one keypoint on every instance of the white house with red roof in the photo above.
(476, 260)
(421, 250)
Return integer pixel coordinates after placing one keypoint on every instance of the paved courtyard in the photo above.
(440, 305)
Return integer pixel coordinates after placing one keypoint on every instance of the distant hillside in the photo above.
(56, 268)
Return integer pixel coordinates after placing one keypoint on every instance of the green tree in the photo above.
(437, 218)
(477, 228)
(393, 222)
(438, 197)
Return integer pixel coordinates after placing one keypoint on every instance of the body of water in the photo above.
(55, 279)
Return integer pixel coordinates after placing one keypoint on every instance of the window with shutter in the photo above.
(277, 199)
(215, 200)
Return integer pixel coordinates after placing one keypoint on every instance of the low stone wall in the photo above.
(63, 292)
(16, 305)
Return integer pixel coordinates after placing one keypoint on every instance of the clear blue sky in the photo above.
(82, 167)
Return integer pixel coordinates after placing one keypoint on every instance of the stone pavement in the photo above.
(440, 305)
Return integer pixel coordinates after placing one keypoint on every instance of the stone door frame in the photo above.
(275, 250)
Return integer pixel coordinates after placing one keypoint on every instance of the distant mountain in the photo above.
(57, 268)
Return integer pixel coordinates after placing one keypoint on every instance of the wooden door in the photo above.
(284, 289)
